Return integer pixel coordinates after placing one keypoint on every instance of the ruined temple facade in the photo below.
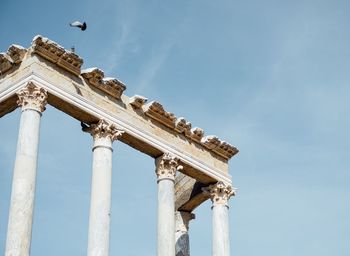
(191, 167)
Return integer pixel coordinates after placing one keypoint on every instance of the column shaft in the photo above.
(99, 222)
(219, 194)
(166, 219)
(182, 240)
(19, 231)
(221, 238)
(103, 134)
(166, 167)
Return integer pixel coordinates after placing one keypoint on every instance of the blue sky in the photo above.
(271, 77)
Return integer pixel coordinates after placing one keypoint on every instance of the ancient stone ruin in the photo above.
(191, 166)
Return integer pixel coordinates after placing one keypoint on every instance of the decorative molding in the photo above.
(57, 54)
(109, 85)
(114, 87)
(92, 108)
(16, 53)
(182, 220)
(182, 126)
(5, 62)
(166, 166)
(94, 76)
(137, 101)
(104, 129)
(32, 97)
(225, 149)
(156, 111)
(210, 141)
(219, 193)
(197, 134)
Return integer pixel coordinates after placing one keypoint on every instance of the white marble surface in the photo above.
(99, 221)
(166, 219)
(221, 238)
(23, 186)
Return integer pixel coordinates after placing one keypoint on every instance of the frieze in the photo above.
(109, 85)
(137, 101)
(197, 134)
(210, 141)
(5, 63)
(225, 149)
(57, 54)
(94, 77)
(16, 53)
(182, 126)
(114, 87)
(156, 111)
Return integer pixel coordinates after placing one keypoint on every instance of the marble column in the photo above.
(219, 194)
(166, 167)
(182, 240)
(32, 100)
(100, 206)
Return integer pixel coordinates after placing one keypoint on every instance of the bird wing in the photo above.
(75, 24)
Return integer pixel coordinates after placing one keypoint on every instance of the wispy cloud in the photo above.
(159, 56)
(153, 65)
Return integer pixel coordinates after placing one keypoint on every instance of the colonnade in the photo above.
(172, 236)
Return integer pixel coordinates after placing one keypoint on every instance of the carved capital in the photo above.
(32, 97)
(219, 193)
(103, 129)
(166, 166)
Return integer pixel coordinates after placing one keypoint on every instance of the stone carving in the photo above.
(57, 54)
(32, 97)
(5, 63)
(103, 129)
(219, 193)
(71, 62)
(166, 166)
(111, 86)
(156, 111)
(137, 101)
(16, 53)
(93, 75)
(196, 134)
(210, 142)
(226, 150)
(219, 147)
(182, 126)
(114, 87)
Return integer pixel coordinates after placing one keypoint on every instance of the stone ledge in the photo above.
(57, 54)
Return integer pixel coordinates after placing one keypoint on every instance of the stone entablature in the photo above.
(190, 167)
(115, 88)
(12, 57)
(109, 85)
(197, 147)
(57, 54)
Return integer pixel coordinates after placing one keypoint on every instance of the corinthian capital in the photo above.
(103, 129)
(219, 193)
(166, 166)
(32, 97)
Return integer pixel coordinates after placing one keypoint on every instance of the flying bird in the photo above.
(78, 24)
